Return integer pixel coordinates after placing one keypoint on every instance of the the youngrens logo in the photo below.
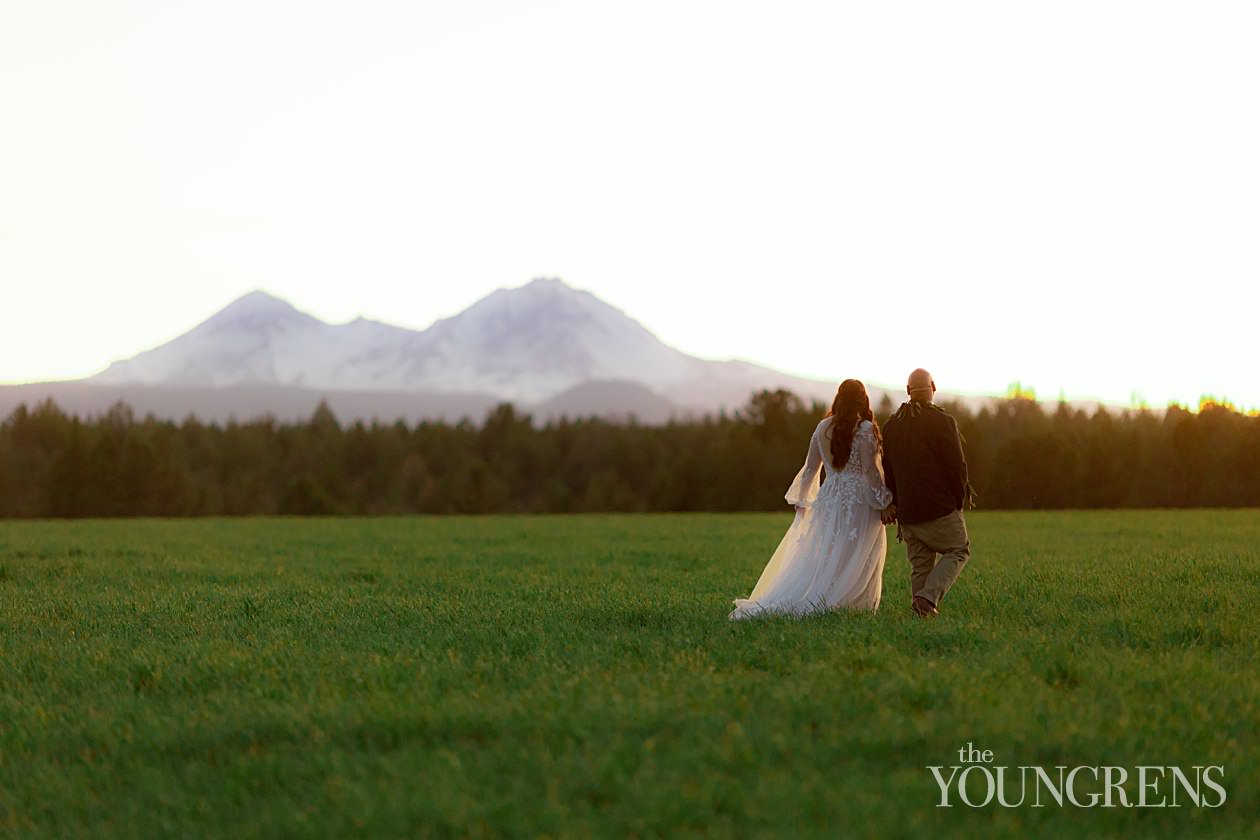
(977, 782)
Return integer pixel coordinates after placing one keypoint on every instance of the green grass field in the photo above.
(577, 676)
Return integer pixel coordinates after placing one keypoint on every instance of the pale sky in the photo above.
(1061, 193)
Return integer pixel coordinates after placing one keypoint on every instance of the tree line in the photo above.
(1021, 455)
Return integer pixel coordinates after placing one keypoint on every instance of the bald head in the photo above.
(920, 385)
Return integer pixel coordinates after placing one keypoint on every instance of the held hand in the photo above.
(888, 515)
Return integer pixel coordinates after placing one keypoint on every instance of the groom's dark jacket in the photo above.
(924, 466)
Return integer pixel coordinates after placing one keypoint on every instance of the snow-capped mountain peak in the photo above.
(525, 344)
(259, 310)
(539, 339)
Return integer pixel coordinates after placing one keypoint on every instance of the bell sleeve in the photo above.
(804, 488)
(877, 494)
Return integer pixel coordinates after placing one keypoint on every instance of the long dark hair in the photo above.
(850, 406)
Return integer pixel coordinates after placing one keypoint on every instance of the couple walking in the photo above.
(913, 473)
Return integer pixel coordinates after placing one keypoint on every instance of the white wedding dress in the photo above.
(833, 553)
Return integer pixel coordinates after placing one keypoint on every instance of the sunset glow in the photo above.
(1060, 195)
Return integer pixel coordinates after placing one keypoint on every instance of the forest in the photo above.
(1021, 455)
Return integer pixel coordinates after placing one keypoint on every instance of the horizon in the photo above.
(1013, 390)
(1054, 196)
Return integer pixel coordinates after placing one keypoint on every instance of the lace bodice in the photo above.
(862, 467)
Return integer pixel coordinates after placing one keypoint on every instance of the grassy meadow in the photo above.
(577, 676)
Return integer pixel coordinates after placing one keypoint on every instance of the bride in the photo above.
(833, 553)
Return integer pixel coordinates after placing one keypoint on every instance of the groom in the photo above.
(925, 469)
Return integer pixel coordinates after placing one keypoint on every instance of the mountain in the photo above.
(544, 344)
(262, 340)
(614, 400)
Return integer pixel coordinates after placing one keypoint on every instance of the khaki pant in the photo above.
(947, 537)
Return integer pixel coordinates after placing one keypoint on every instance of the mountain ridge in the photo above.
(529, 344)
